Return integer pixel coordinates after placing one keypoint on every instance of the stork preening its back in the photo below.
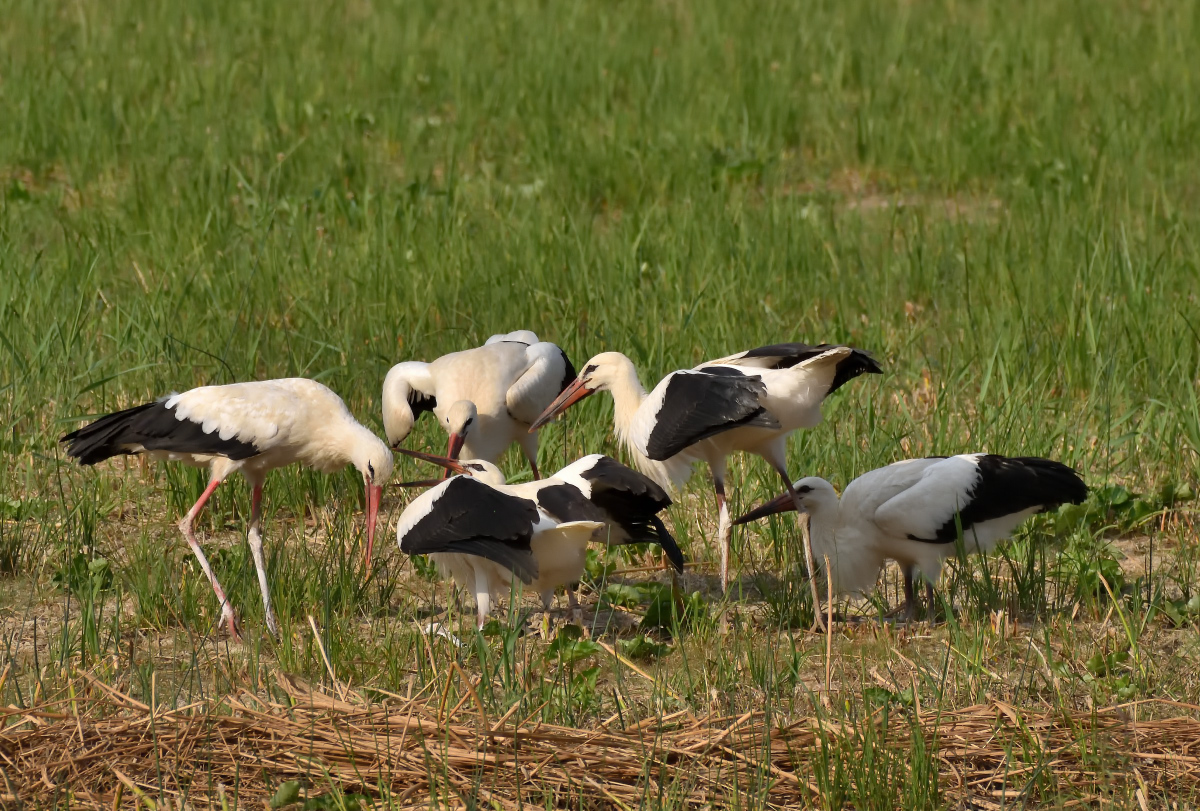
(593, 488)
(485, 398)
(913, 511)
(251, 428)
(750, 402)
(483, 536)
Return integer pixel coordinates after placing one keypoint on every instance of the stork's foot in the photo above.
(230, 619)
(911, 611)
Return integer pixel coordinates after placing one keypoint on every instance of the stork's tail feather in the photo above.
(106, 437)
(1057, 483)
(652, 530)
(668, 544)
(858, 362)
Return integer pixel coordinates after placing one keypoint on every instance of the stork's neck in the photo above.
(398, 386)
(628, 395)
(822, 528)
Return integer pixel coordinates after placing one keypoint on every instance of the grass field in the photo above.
(999, 199)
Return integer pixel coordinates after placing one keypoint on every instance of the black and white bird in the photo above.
(750, 402)
(593, 488)
(485, 398)
(913, 511)
(251, 428)
(484, 537)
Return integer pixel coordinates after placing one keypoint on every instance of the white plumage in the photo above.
(251, 428)
(484, 398)
(912, 512)
(484, 536)
(592, 488)
(750, 402)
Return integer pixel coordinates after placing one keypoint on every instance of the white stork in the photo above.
(482, 536)
(485, 398)
(248, 427)
(593, 488)
(914, 511)
(750, 402)
(521, 336)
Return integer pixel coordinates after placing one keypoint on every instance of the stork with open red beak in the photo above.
(750, 402)
(914, 512)
(251, 428)
(485, 398)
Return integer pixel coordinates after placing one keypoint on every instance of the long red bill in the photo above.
(453, 449)
(776, 505)
(419, 483)
(374, 496)
(449, 464)
(571, 395)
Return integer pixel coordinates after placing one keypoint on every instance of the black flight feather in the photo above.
(1008, 485)
(472, 518)
(568, 372)
(787, 355)
(705, 402)
(152, 427)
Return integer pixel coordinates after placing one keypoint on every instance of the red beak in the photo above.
(454, 448)
(776, 505)
(449, 464)
(374, 495)
(571, 395)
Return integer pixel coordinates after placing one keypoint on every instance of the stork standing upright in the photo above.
(913, 512)
(485, 398)
(483, 536)
(593, 488)
(248, 427)
(750, 402)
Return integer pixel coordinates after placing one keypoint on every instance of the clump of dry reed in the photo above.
(102, 748)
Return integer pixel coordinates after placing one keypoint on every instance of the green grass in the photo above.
(999, 199)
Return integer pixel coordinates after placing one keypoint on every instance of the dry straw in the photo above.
(104, 749)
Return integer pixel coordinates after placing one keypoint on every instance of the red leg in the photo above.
(185, 526)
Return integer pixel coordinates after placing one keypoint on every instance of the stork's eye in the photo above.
(804, 489)
(590, 368)
(468, 422)
(371, 469)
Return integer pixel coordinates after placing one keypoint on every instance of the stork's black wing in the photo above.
(470, 517)
(151, 427)
(698, 403)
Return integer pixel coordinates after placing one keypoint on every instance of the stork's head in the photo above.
(815, 496)
(600, 373)
(398, 416)
(483, 470)
(460, 419)
(480, 469)
(374, 461)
